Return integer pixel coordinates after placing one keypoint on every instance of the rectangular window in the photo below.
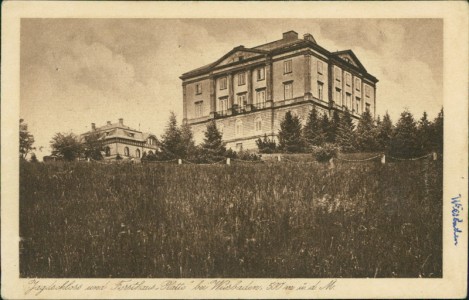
(348, 99)
(198, 88)
(368, 106)
(242, 78)
(338, 74)
(260, 97)
(261, 74)
(348, 79)
(320, 90)
(367, 91)
(241, 100)
(238, 128)
(320, 70)
(198, 109)
(358, 104)
(239, 147)
(287, 68)
(223, 104)
(338, 96)
(288, 90)
(357, 84)
(258, 124)
(223, 83)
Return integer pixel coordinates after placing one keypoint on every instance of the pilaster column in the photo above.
(184, 103)
(213, 107)
(230, 90)
(269, 81)
(307, 76)
(344, 98)
(363, 95)
(352, 78)
(331, 84)
(249, 79)
(374, 101)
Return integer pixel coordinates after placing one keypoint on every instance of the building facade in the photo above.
(124, 141)
(248, 91)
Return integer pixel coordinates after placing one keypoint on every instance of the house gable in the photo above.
(350, 57)
(238, 54)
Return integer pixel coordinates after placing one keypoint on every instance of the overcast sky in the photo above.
(78, 71)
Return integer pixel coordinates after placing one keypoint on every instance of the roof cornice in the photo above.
(333, 56)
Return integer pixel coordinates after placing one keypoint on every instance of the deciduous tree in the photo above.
(26, 140)
(66, 145)
(93, 145)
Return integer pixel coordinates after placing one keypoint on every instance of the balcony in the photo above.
(222, 113)
(260, 105)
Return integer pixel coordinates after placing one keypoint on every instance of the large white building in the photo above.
(248, 91)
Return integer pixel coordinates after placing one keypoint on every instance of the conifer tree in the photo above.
(345, 138)
(384, 133)
(366, 133)
(171, 140)
(333, 127)
(404, 143)
(325, 125)
(290, 139)
(187, 141)
(313, 134)
(437, 133)
(213, 146)
(424, 134)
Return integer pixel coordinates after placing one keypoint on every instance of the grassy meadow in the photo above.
(276, 219)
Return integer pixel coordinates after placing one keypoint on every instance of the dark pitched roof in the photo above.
(117, 130)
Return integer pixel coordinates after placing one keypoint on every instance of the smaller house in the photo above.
(124, 141)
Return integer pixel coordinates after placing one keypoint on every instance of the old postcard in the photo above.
(234, 150)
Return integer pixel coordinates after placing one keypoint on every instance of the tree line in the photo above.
(407, 138)
(321, 134)
(177, 142)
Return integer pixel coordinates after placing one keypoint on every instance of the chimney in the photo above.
(93, 126)
(108, 122)
(309, 37)
(121, 122)
(290, 35)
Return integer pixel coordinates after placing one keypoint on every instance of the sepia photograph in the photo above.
(251, 154)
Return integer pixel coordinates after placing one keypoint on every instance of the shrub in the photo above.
(325, 152)
(266, 145)
(245, 155)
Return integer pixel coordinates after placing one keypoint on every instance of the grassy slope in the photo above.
(245, 220)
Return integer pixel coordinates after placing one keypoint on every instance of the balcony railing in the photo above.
(259, 105)
(222, 113)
